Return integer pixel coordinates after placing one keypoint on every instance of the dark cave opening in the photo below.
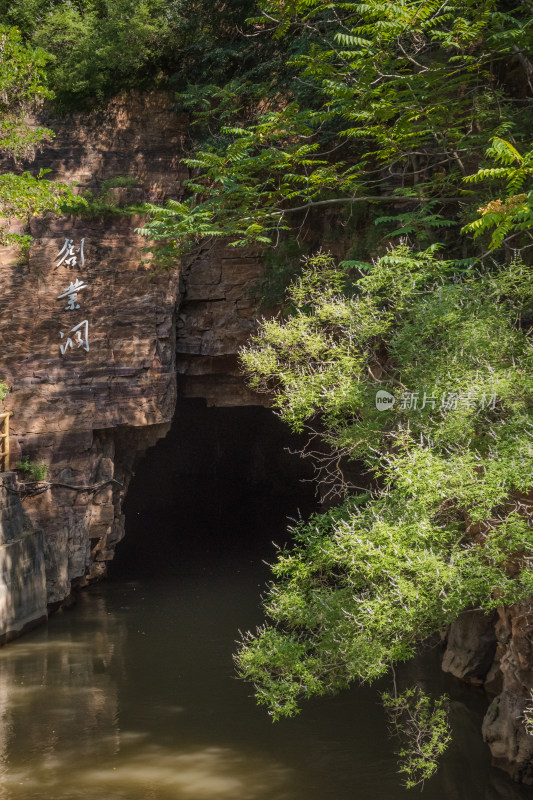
(222, 480)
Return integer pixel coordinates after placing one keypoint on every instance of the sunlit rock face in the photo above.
(218, 312)
(89, 332)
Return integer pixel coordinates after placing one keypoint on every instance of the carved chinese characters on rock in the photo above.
(68, 255)
(78, 335)
(72, 294)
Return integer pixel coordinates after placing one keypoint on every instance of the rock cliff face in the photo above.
(95, 348)
(497, 653)
(217, 314)
(504, 726)
(89, 335)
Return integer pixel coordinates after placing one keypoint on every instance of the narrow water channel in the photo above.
(131, 694)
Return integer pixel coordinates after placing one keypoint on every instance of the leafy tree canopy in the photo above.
(98, 47)
(396, 104)
(21, 87)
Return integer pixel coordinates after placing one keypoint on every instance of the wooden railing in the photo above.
(4, 441)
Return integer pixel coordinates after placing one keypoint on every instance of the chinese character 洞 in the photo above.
(67, 254)
(81, 337)
(72, 294)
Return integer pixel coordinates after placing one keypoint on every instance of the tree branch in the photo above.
(370, 198)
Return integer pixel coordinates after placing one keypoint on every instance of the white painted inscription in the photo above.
(81, 337)
(72, 294)
(68, 254)
(78, 336)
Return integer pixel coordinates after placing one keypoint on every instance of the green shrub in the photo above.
(37, 472)
(443, 530)
(104, 203)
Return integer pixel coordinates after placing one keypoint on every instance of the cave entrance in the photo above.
(222, 481)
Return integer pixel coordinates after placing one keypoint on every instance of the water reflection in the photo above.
(131, 696)
(153, 773)
(59, 704)
(60, 730)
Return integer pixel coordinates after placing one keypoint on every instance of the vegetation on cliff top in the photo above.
(402, 104)
(22, 86)
(97, 48)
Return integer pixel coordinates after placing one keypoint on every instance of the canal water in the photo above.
(131, 694)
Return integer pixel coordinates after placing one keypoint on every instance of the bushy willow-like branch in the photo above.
(448, 524)
(422, 725)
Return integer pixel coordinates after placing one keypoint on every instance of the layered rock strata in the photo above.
(89, 333)
(218, 311)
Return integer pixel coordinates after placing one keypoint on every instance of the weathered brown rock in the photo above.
(89, 412)
(503, 728)
(217, 314)
(63, 403)
(497, 652)
(23, 601)
(470, 647)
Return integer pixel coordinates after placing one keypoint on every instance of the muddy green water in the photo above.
(131, 695)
